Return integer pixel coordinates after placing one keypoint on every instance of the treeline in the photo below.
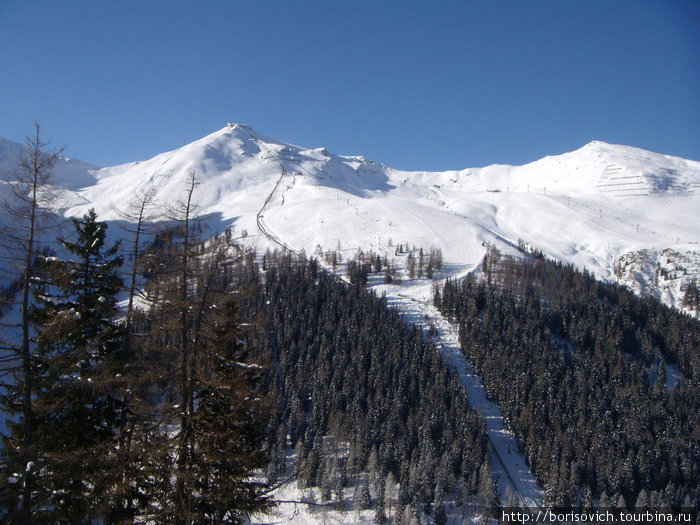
(366, 401)
(184, 408)
(579, 369)
(161, 380)
(364, 264)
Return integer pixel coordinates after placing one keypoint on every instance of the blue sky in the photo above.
(417, 85)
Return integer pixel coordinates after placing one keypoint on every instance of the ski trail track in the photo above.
(508, 465)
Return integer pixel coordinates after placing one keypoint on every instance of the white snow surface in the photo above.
(600, 207)
(68, 173)
(589, 207)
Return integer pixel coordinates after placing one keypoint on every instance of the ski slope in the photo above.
(599, 207)
(510, 470)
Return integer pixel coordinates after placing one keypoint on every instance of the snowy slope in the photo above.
(599, 207)
(68, 173)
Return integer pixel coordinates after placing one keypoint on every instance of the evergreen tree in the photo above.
(79, 392)
(211, 392)
(380, 514)
(558, 350)
(411, 266)
(440, 517)
(350, 368)
(691, 297)
(362, 498)
(229, 422)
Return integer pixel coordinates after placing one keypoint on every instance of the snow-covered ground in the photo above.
(508, 464)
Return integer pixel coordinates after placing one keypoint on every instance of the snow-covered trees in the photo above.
(572, 363)
(161, 417)
(76, 300)
(352, 372)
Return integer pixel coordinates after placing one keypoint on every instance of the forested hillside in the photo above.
(367, 402)
(186, 408)
(176, 376)
(156, 413)
(599, 385)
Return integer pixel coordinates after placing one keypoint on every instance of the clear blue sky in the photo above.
(416, 85)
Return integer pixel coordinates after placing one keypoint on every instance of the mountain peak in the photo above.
(597, 143)
(233, 126)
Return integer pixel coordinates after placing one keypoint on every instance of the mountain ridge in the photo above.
(598, 207)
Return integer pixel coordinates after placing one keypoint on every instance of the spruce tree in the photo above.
(77, 401)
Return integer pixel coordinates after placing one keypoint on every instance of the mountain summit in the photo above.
(621, 212)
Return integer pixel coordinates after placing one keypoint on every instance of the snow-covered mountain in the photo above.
(621, 212)
(68, 173)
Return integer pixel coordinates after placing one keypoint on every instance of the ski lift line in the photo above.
(261, 213)
(510, 478)
(263, 229)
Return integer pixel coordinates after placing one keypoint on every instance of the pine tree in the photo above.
(691, 297)
(380, 514)
(411, 266)
(421, 264)
(487, 487)
(440, 517)
(79, 392)
(211, 385)
(229, 422)
(362, 498)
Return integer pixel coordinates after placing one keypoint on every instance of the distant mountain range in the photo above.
(622, 213)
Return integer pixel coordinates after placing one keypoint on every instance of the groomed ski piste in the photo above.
(622, 213)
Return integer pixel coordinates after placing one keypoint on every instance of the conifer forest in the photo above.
(579, 369)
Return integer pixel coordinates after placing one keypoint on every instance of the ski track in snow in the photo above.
(571, 206)
(509, 467)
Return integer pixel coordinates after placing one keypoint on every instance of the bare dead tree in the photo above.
(209, 402)
(28, 203)
(139, 213)
(184, 214)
